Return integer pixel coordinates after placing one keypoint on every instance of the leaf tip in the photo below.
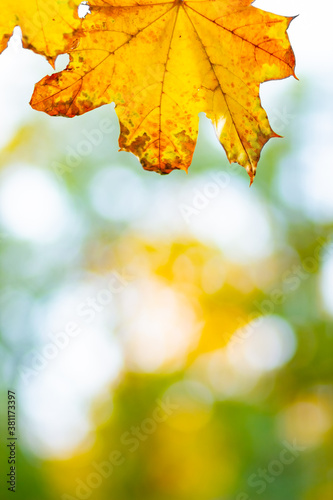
(51, 60)
(251, 170)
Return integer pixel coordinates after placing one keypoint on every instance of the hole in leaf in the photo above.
(61, 62)
(83, 9)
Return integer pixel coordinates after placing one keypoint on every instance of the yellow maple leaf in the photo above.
(163, 62)
(47, 25)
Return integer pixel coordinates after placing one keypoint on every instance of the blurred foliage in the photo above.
(228, 423)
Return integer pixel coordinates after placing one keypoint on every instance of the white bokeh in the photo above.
(118, 194)
(161, 326)
(235, 221)
(267, 343)
(32, 205)
(64, 391)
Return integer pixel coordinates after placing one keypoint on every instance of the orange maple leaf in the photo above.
(163, 62)
(47, 25)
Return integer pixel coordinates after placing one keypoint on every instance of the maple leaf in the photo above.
(47, 25)
(163, 62)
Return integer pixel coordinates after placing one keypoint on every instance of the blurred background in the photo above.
(169, 337)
